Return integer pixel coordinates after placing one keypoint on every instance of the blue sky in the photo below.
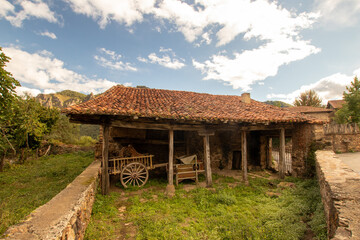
(273, 49)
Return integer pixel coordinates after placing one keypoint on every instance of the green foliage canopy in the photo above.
(7, 84)
(8, 106)
(308, 98)
(350, 111)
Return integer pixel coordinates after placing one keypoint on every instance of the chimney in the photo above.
(245, 97)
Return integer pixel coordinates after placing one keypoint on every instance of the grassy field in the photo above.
(25, 187)
(229, 210)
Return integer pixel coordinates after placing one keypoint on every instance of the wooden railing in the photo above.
(117, 164)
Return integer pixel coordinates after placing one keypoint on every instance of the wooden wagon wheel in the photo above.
(134, 174)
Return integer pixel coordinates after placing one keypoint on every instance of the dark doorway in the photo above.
(253, 148)
(236, 162)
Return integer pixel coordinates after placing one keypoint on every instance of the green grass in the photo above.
(25, 187)
(240, 212)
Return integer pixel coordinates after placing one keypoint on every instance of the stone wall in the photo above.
(66, 215)
(342, 137)
(302, 137)
(340, 192)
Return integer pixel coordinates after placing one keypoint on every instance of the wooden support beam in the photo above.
(207, 162)
(105, 178)
(263, 153)
(282, 154)
(187, 143)
(269, 153)
(157, 126)
(244, 157)
(171, 157)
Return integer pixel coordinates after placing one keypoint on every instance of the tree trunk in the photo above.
(2, 161)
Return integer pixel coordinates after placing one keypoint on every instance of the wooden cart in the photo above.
(132, 166)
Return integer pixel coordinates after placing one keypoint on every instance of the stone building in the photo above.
(222, 130)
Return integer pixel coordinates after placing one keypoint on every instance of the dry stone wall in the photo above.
(340, 192)
(65, 216)
(342, 137)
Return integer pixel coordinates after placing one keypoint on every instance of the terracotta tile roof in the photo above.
(181, 105)
(335, 104)
(309, 109)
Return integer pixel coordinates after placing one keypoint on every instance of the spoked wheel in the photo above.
(134, 174)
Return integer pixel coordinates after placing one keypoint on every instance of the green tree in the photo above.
(8, 101)
(308, 98)
(350, 111)
(64, 131)
(34, 122)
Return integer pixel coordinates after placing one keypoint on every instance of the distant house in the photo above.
(224, 131)
(335, 104)
(315, 112)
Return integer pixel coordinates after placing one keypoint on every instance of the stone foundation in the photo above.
(66, 215)
(340, 192)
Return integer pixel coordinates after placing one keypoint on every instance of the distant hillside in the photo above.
(63, 99)
(278, 103)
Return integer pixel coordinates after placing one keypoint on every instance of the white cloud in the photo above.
(111, 59)
(252, 66)
(328, 88)
(338, 12)
(105, 11)
(167, 58)
(6, 8)
(48, 34)
(46, 73)
(30, 8)
(22, 91)
(276, 29)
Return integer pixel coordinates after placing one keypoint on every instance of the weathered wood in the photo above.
(263, 153)
(105, 179)
(244, 156)
(187, 143)
(171, 157)
(158, 126)
(208, 173)
(282, 154)
(269, 153)
(206, 133)
(146, 141)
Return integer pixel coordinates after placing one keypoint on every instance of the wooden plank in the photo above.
(171, 157)
(244, 156)
(206, 132)
(105, 179)
(157, 126)
(207, 161)
(282, 154)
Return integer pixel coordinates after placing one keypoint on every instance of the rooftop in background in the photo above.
(309, 109)
(120, 101)
(335, 104)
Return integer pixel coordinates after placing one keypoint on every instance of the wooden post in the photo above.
(105, 179)
(171, 157)
(282, 154)
(269, 153)
(187, 143)
(263, 159)
(207, 160)
(244, 156)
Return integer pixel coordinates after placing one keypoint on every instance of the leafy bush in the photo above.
(86, 141)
